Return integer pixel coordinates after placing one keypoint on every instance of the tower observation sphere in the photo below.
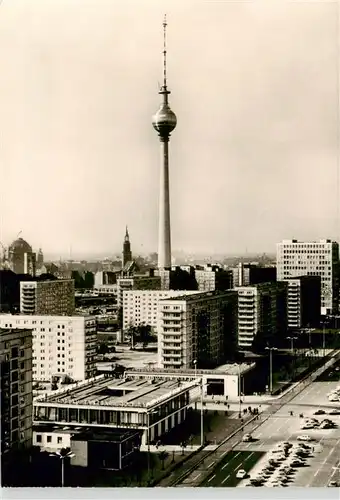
(164, 121)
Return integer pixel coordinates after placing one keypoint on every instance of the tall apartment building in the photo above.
(62, 345)
(141, 306)
(303, 301)
(262, 309)
(136, 283)
(16, 389)
(53, 297)
(317, 258)
(251, 274)
(210, 278)
(201, 327)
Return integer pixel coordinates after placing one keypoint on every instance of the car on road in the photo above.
(319, 412)
(247, 438)
(333, 398)
(304, 437)
(334, 484)
(241, 474)
(335, 411)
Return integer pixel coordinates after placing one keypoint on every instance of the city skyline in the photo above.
(80, 158)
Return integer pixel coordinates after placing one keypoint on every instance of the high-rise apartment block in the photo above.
(141, 306)
(251, 274)
(53, 297)
(303, 301)
(210, 278)
(199, 328)
(262, 310)
(136, 283)
(317, 258)
(62, 345)
(16, 389)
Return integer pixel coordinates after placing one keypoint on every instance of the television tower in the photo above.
(164, 122)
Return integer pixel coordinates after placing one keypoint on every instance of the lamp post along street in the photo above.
(324, 339)
(271, 349)
(202, 417)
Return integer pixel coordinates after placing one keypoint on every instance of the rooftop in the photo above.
(86, 433)
(201, 295)
(104, 391)
(227, 369)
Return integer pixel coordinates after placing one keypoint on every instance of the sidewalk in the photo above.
(169, 448)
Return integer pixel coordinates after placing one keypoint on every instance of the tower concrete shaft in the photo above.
(164, 122)
(164, 228)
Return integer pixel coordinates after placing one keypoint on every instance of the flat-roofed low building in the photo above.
(151, 406)
(92, 446)
(229, 380)
(112, 449)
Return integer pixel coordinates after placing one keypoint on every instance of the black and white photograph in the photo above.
(169, 246)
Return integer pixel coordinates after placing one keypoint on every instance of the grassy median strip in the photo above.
(224, 474)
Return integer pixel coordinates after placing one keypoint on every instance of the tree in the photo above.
(163, 455)
(259, 343)
(102, 348)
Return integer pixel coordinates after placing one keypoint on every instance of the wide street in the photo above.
(252, 457)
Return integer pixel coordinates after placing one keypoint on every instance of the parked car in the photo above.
(319, 412)
(335, 411)
(304, 437)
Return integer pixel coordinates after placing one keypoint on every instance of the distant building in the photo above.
(62, 345)
(21, 258)
(317, 258)
(141, 306)
(303, 301)
(262, 310)
(177, 278)
(16, 390)
(199, 327)
(210, 278)
(127, 254)
(10, 288)
(251, 274)
(105, 278)
(55, 297)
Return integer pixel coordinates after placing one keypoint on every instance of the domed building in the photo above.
(21, 258)
(20, 246)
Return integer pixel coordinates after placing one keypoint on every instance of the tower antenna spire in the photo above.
(164, 52)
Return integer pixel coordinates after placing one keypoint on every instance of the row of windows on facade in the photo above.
(48, 439)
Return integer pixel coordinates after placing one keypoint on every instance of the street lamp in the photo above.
(292, 343)
(195, 363)
(62, 455)
(202, 417)
(323, 339)
(271, 349)
(239, 388)
(151, 412)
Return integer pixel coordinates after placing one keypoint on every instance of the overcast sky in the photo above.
(254, 157)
